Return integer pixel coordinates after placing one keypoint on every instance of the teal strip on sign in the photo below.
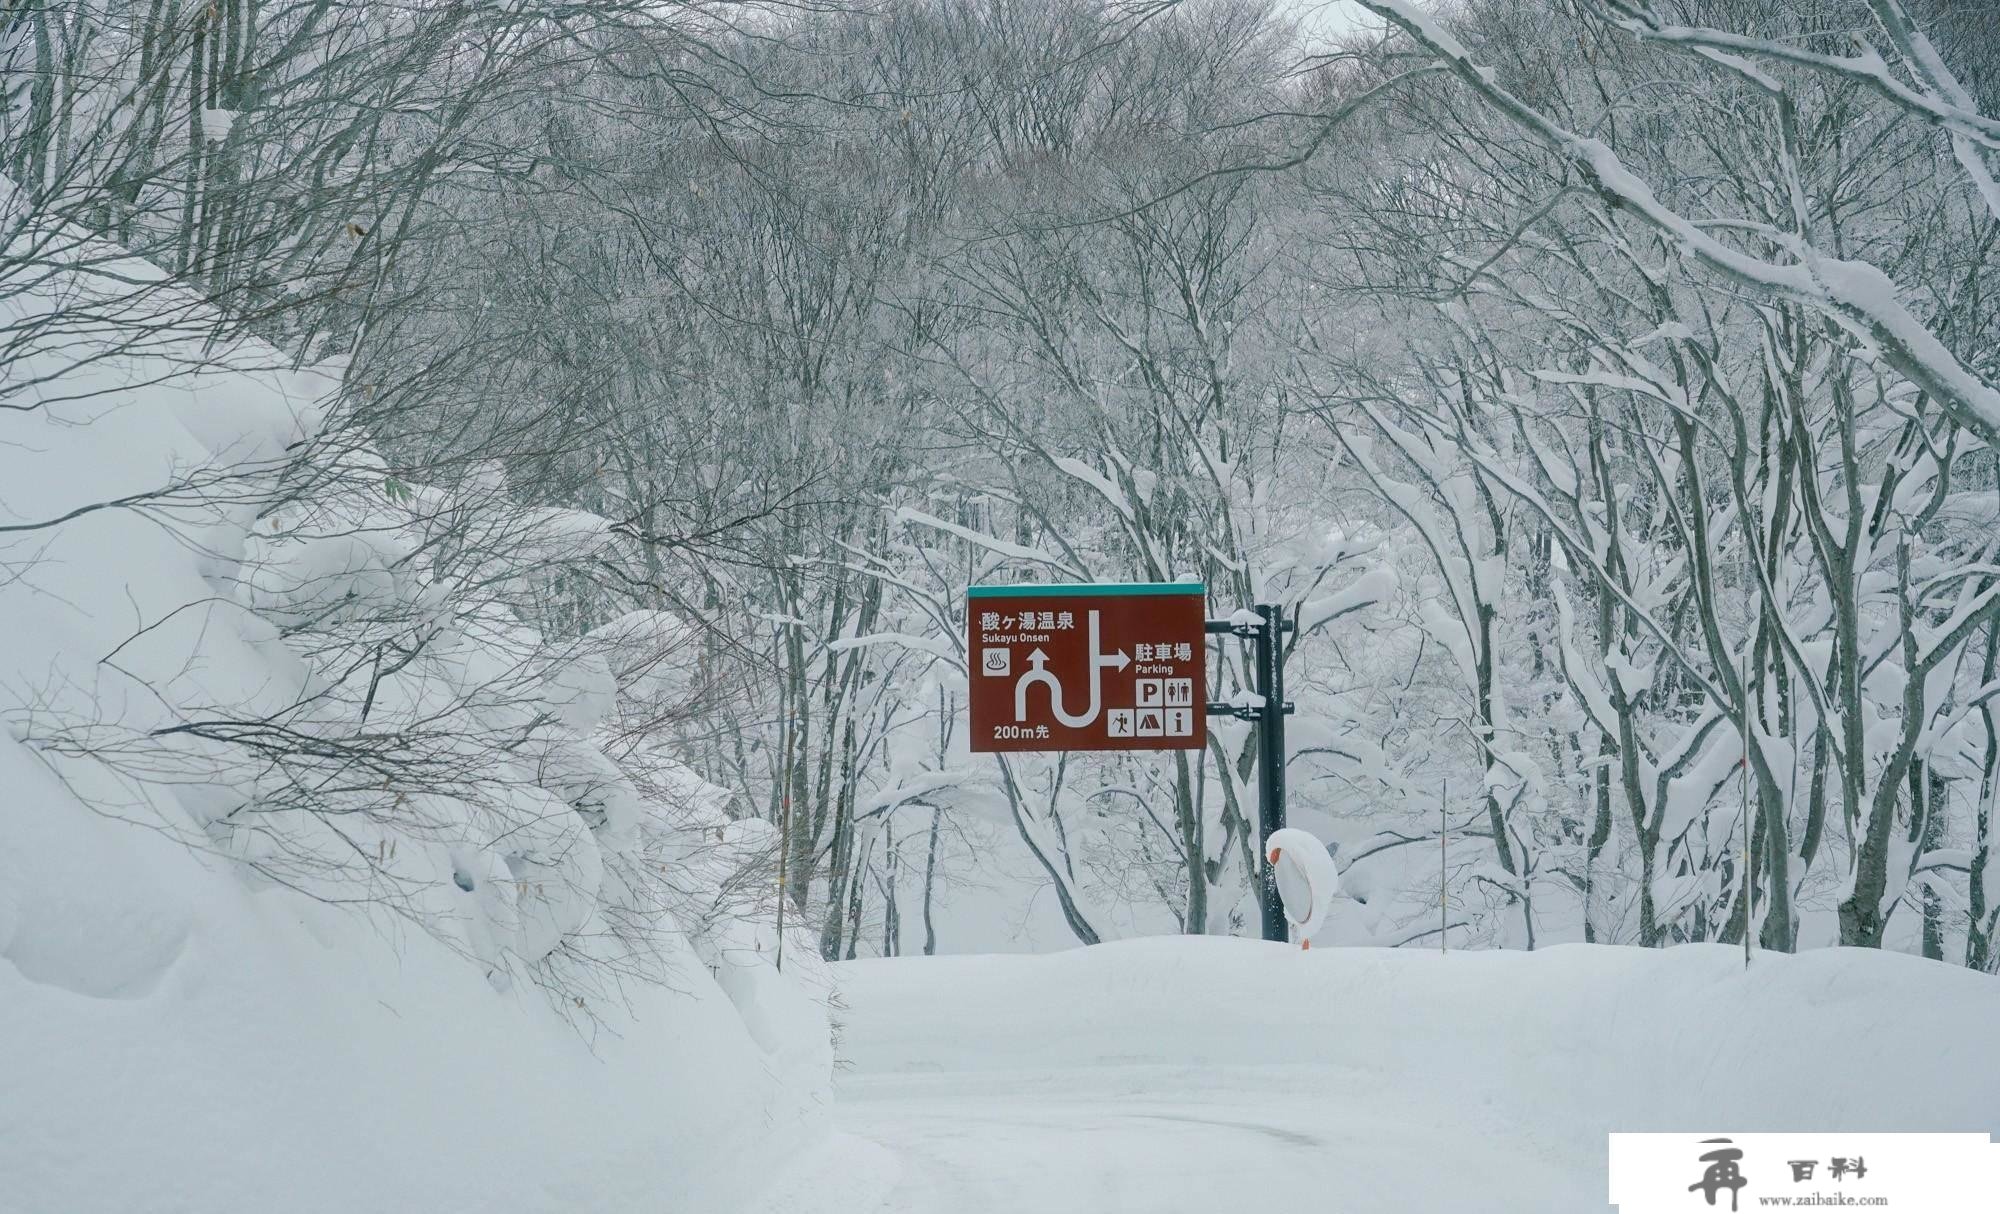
(1119, 588)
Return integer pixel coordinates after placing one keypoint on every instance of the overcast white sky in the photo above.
(1326, 18)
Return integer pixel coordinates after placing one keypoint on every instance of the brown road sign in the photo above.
(1105, 667)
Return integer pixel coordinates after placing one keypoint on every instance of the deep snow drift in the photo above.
(1196, 1074)
(236, 976)
(281, 1055)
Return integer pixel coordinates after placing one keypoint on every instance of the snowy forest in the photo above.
(491, 493)
(1606, 389)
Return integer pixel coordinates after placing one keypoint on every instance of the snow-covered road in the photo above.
(1196, 1076)
(1160, 1140)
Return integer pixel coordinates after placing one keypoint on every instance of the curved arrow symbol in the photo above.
(1098, 661)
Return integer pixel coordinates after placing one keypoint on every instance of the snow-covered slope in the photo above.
(268, 1053)
(245, 964)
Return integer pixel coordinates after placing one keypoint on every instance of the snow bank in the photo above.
(171, 1040)
(1574, 1041)
(245, 964)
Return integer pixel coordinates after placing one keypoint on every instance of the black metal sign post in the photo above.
(1269, 714)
